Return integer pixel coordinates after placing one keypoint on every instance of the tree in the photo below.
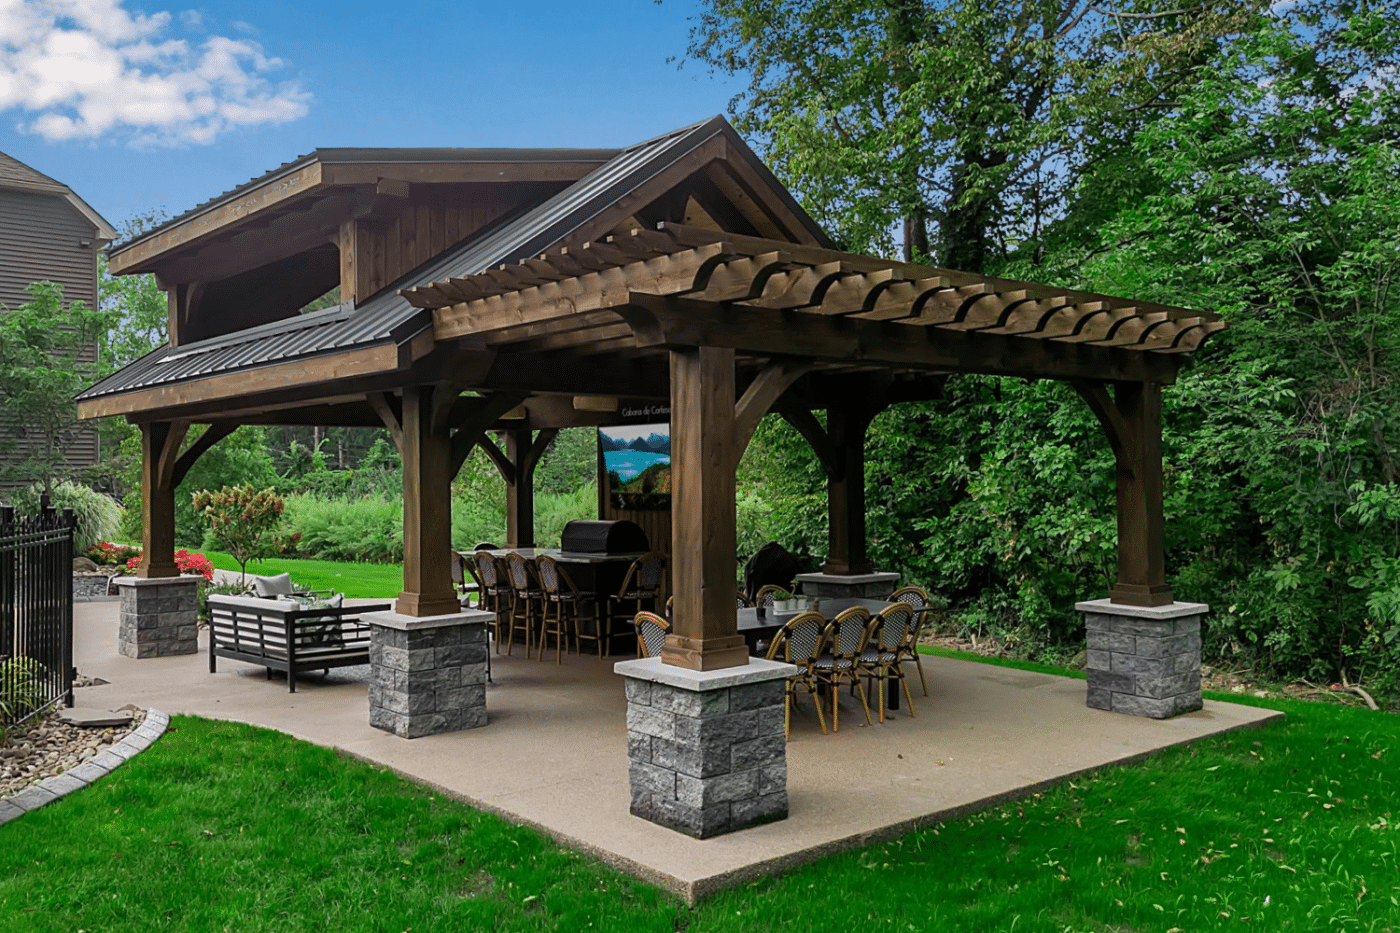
(965, 121)
(244, 522)
(45, 359)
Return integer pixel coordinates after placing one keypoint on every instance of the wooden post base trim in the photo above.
(1137, 594)
(421, 604)
(705, 654)
(154, 570)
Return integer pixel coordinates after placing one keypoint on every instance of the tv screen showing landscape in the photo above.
(637, 461)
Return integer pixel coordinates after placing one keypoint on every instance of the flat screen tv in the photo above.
(637, 464)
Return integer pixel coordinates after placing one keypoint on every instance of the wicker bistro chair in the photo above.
(526, 604)
(742, 600)
(882, 656)
(464, 579)
(916, 598)
(569, 604)
(642, 585)
(766, 596)
(651, 634)
(800, 641)
(495, 593)
(840, 663)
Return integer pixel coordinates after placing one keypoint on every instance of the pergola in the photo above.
(492, 293)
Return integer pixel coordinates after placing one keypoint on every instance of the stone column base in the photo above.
(1144, 661)
(706, 748)
(860, 586)
(158, 616)
(427, 675)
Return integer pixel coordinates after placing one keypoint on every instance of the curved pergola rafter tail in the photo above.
(556, 299)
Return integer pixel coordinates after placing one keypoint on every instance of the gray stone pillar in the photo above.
(158, 616)
(428, 674)
(706, 748)
(859, 586)
(1144, 660)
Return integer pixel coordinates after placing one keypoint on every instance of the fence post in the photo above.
(7, 581)
(65, 570)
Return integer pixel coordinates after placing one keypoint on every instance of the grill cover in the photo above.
(592, 537)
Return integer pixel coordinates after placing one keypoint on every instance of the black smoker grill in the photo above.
(601, 538)
(585, 537)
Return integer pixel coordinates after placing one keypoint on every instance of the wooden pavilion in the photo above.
(517, 292)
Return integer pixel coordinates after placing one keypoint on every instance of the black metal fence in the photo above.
(36, 612)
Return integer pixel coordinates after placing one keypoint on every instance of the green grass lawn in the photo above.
(358, 581)
(225, 826)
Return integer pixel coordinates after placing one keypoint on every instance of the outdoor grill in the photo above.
(595, 537)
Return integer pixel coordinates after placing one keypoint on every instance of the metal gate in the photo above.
(36, 612)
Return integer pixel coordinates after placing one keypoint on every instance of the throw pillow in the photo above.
(273, 587)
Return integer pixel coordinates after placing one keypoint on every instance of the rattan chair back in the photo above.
(915, 597)
(643, 580)
(548, 571)
(521, 573)
(893, 631)
(487, 570)
(801, 640)
(651, 634)
(850, 633)
(766, 596)
(743, 602)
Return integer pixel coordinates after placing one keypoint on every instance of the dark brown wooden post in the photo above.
(1132, 418)
(160, 442)
(845, 491)
(426, 450)
(523, 451)
(704, 634)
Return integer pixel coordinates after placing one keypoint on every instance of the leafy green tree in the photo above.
(244, 522)
(965, 121)
(45, 359)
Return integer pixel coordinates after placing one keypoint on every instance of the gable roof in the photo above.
(16, 176)
(388, 317)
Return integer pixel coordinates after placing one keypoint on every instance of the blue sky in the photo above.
(141, 105)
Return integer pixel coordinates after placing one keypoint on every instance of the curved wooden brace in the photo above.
(761, 395)
(214, 434)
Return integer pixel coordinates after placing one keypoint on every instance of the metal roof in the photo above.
(387, 316)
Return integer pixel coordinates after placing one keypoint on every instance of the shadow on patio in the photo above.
(554, 752)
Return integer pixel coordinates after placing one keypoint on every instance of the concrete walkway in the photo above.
(554, 753)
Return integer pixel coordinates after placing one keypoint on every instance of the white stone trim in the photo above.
(1169, 611)
(405, 623)
(878, 577)
(756, 671)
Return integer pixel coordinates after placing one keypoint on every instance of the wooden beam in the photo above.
(668, 322)
(211, 436)
(704, 634)
(765, 390)
(160, 448)
(427, 510)
(270, 194)
(1132, 420)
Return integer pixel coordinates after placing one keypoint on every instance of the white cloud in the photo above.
(81, 69)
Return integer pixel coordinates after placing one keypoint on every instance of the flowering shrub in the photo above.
(105, 552)
(193, 565)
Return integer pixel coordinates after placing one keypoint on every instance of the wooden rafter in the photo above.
(759, 296)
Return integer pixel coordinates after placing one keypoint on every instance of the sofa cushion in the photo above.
(271, 587)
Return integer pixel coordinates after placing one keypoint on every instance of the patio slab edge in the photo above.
(700, 888)
(80, 776)
(694, 890)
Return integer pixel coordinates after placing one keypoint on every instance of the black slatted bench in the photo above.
(282, 636)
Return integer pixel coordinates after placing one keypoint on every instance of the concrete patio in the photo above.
(554, 753)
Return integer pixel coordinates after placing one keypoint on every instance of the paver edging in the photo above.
(60, 785)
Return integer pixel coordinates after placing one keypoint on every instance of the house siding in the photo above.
(41, 237)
